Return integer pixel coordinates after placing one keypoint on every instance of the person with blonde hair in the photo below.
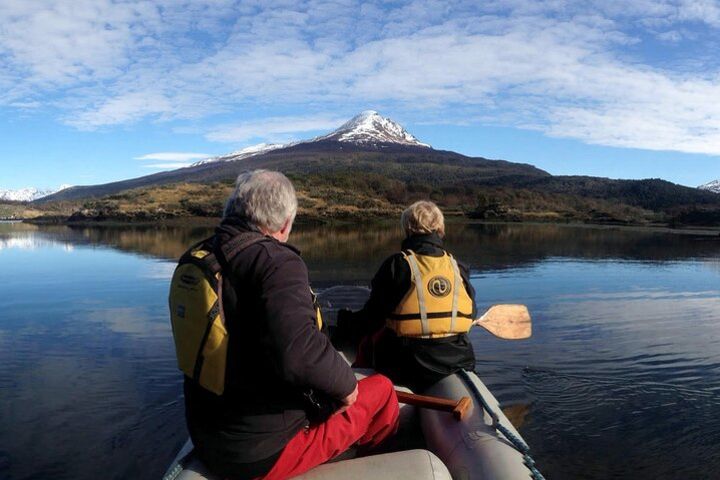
(414, 326)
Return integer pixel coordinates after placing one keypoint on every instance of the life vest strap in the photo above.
(430, 316)
(415, 269)
(436, 335)
(456, 292)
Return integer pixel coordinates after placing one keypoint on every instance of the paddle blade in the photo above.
(511, 322)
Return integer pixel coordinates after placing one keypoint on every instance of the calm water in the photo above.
(620, 380)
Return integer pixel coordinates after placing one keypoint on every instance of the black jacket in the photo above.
(275, 353)
(415, 362)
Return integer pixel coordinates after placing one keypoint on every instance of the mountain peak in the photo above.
(371, 127)
(29, 194)
(713, 186)
(366, 128)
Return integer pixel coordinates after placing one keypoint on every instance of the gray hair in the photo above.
(264, 198)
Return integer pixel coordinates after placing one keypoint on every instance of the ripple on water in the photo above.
(624, 361)
(665, 431)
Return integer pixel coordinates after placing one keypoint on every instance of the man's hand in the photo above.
(349, 400)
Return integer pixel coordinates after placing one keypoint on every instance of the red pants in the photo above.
(370, 420)
(366, 350)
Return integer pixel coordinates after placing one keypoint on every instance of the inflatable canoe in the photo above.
(430, 444)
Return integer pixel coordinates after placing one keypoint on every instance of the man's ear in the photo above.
(285, 229)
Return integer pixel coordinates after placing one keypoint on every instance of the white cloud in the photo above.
(566, 68)
(671, 36)
(26, 105)
(173, 156)
(171, 160)
(275, 127)
(702, 11)
(165, 166)
(122, 109)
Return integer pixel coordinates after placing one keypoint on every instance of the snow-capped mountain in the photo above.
(713, 186)
(28, 194)
(367, 128)
(371, 127)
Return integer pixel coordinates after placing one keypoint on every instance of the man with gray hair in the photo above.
(280, 367)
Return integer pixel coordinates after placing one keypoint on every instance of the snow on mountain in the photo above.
(28, 194)
(371, 127)
(713, 186)
(244, 153)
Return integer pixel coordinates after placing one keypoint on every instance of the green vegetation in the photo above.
(336, 183)
(18, 210)
(352, 195)
(156, 203)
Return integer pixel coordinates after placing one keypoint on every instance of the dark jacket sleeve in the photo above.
(389, 286)
(305, 356)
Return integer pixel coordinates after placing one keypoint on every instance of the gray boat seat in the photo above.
(193, 469)
(400, 463)
(410, 465)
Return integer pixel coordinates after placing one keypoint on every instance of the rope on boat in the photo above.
(173, 474)
(517, 442)
(179, 466)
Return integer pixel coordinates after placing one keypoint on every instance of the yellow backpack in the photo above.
(196, 312)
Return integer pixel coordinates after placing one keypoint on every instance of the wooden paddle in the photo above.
(457, 408)
(511, 322)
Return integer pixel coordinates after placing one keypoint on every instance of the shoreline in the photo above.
(708, 231)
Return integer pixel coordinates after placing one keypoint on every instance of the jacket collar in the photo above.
(234, 225)
(417, 242)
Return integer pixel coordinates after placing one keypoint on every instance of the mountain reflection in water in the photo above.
(351, 253)
(621, 378)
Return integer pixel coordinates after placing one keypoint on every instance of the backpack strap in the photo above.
(229, 250)
(224, 255)
(216, 261)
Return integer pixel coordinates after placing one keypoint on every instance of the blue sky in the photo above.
(93, 91)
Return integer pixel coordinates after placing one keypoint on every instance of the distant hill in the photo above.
(403, 162)
(653, 194)
(373, 166)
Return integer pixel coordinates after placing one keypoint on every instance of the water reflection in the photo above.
(623, 370)
(28, 237)
(352, 253)
(87, 372)
(621, 378)
(127, 320)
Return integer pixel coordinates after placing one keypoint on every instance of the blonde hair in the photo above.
(423, 217)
